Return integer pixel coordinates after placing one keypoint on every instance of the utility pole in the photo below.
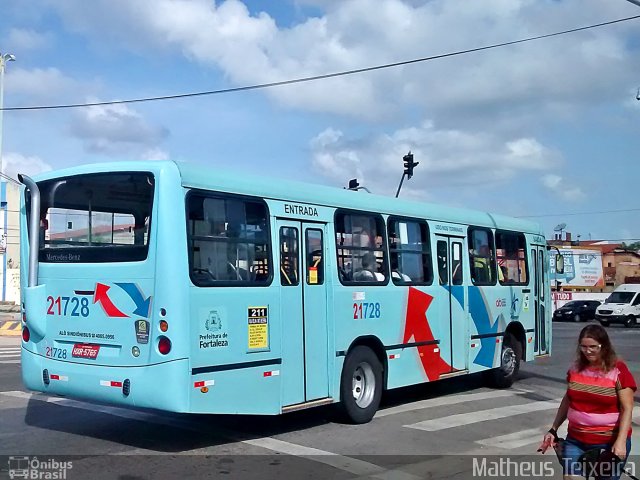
(7, 57)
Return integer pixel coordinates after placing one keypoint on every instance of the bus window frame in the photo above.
(103, 253)
(268, 236)
(492, 259)
(428, 252)
(525, 248)
(320, 269)
(283, 239)
(384, 249)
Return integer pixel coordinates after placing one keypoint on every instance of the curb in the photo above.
(10, 328)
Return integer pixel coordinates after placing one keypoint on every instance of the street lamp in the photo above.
(4, 58)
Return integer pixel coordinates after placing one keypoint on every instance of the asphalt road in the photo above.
(441, 430)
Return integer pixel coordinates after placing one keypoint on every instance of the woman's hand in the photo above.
(547, 441)
(619, 448)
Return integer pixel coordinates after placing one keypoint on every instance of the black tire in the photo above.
(506, 374)
(576, 318)
(630, 321)
(604, 323)
(360, 385)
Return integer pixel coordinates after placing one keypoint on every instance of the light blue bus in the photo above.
(170, 286)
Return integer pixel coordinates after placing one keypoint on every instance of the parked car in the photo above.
(622, 306)
(577, 311)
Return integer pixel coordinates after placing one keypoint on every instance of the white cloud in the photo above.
(115, 130)
(562, 187)
(41, 83)
(446, 157)
(156, 154)
(21, 39)
(15, 163)
(508, 83)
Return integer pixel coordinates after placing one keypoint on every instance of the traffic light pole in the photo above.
(400, 186)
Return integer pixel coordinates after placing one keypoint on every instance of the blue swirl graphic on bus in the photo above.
(480, 316)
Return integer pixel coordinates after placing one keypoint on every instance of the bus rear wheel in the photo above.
(360, 385)
(505, 375)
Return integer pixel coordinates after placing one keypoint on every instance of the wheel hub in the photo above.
(363, 385)
(508, 362)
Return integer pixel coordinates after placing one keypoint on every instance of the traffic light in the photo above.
(409, 164)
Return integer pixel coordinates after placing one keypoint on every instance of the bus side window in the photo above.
(512, 261)
(456, 263)
(409, 251)
(481, 256)
(443, 271)
(229, 241)
(289, 256)
(314, 264)
(361, 249)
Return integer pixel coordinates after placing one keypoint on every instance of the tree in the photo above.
(635, 246)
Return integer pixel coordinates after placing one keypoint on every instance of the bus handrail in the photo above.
(34, 228)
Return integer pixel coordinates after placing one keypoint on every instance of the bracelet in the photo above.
(553, 432)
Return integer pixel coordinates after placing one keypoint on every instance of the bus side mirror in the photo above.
(559, 264)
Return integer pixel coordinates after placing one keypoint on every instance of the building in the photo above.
(621, 266)
(10, 243)
(618, 265)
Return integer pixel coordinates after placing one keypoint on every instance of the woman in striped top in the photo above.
(598, 405)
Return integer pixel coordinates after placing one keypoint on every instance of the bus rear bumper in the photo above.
(160, 386)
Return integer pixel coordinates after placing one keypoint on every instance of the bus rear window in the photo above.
(96, 218)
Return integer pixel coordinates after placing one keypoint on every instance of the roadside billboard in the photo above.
(582, 267)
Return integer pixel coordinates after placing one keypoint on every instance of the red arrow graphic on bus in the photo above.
(102, 296)
(417, 326)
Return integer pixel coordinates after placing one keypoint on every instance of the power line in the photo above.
(595, 242)
(319, 77)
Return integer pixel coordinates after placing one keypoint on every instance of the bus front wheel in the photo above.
(360, 385)
(505, 375)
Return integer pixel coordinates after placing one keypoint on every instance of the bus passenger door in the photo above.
(541, 326)
(451, 315)
(303, 311)
(315, 313)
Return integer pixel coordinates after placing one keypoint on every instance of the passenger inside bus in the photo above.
(395, 270)
(369, 272)
(481, 266)
(503, 275)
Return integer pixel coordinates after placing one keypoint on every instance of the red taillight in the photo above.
(164, 345)
(26, 334)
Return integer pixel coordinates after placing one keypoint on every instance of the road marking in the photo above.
(9, 354)
(348, 464)
(514, 440)
(11, 328)
(533, 435)
(9, 361)
(520, 438)
(461, 419)
(448, 400)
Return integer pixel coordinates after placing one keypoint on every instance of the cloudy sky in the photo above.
(548, 129)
